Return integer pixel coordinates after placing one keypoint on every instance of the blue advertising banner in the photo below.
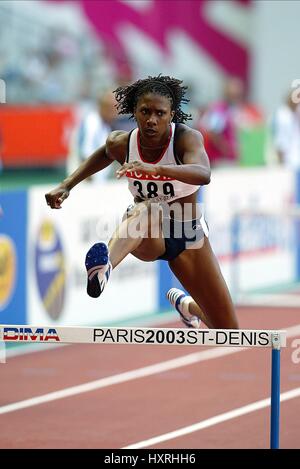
(13, 228)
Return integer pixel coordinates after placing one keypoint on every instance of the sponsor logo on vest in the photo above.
(147, 177)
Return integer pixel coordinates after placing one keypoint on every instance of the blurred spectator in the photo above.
(124, 78)
(94, 129)
(286, 133)
(221, 122)
(1, 150)
(124, 123)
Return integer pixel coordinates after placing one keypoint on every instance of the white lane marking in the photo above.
(232, 414)
(131, 375)
(122, 377)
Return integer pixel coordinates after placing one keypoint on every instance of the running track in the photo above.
(140, 409)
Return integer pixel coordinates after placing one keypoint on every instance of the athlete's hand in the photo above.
(56, 197)
(138, 166)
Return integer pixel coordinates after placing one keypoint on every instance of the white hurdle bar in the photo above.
(273, 339)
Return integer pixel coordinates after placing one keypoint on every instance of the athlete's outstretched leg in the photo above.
(132, 236)
(139, 234)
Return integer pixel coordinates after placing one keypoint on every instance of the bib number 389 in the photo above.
(152, 189)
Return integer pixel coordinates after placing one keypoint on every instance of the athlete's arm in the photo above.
(195, 168)
(114, 149)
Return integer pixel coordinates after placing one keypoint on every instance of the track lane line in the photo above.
(232, 414)
(122, 378)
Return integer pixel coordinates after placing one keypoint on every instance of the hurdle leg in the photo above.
(275, 391)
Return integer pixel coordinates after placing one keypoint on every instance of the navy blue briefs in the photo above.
(180, 235)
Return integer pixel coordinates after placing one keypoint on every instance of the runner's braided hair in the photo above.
(127, 96)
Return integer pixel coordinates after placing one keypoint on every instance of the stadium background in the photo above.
(55, 59)
(89, 45)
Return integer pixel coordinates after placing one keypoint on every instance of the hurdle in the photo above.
(273, 339)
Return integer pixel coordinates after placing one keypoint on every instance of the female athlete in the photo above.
(165, 163)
